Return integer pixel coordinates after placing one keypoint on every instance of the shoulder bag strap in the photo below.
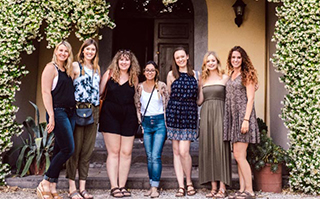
(104, 94)
(145, 111)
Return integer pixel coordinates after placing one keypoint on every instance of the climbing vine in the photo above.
(297, 57)
(20, 23)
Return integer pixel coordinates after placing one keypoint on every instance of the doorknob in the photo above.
(158, 52)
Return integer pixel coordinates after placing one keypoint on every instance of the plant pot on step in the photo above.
(268, 181)
(37, 171)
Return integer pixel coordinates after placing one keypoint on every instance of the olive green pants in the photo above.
(84, 140)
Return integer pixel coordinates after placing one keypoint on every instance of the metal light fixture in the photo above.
(238, 8)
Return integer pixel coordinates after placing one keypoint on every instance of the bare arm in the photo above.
(76, 70)
(250, 87)
(47, 77)
(137, 102)
(200, 93)
(170, 79)
(103, 81)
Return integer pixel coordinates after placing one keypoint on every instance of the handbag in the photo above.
(104, 93)
(139, 130)
(84, 114)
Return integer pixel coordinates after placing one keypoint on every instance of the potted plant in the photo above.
(36, 150)
(266, 159)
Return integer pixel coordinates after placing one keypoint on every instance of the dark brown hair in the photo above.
(248, 72)
(175, 67)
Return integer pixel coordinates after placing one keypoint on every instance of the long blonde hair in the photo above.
(68, 63)
(205, 71)
(133, 70)
(94, 61)
(248, 72)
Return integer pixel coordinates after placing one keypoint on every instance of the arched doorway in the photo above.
(152, 30)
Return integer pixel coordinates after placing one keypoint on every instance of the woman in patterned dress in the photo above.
(182, 116)
(87, 81)
(240, 123)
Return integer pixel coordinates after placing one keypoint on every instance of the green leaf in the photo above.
(27, 166)
(21, 157)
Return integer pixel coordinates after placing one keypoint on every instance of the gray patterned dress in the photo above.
(235, 110)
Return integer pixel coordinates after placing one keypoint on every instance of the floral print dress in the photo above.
(182, 109)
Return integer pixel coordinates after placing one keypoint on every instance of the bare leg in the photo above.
(82, 187)
(185, 158)
(177, 162)
(113, 143)
(125, 159)
(240, 154)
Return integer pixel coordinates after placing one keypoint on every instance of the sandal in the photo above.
(74, 195)
(154, 192)
(221, 194)
(42, 194)
(191, 191)
(246, 195)
(116, 193)
(212, 193)
(235, 194)
(147, 193)
(125, 192)
(181, 192)
(85, 193)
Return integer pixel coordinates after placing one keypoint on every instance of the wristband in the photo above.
(246, 120)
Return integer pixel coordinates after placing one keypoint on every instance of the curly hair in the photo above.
(134, 69)
(248, 72)
(205, 71)
(68, 63)
(95, 60)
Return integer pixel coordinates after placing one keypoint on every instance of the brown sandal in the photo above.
(246, 195)
(212, 193)
(191, 191)
(181, 192)
(221, 194)
(42, 194)
(235, 194)
(74, 194)
(85, 192)
(125, 192)
(115, 192)
(56, 196)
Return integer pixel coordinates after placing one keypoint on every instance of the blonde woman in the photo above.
(86, 83)
(59, 102)
(214, 153)
(118, 119)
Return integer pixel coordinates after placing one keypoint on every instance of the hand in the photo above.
(245, 127)
(50, 125)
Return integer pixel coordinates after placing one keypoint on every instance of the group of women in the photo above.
(164, 111)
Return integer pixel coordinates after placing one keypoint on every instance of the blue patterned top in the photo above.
(85, 90)
(182, 109)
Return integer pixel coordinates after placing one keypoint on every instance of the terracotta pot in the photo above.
(267, 181)
(33, 167)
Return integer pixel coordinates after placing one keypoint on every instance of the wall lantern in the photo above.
(238, 7)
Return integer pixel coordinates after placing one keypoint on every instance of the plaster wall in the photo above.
(276, 90)
(223, 34)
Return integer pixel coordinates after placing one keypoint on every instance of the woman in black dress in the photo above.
(118, 118)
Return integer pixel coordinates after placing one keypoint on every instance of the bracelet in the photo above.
(246, 120)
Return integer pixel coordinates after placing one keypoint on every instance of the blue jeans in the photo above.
(153, 138)
(63, 142)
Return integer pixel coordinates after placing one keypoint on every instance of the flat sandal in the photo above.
(181, 192)
(192, 191)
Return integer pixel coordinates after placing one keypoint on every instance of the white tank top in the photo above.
(155, 106)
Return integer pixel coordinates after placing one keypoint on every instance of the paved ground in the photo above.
(17, 193)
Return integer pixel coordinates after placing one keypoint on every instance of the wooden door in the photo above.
(168, 35)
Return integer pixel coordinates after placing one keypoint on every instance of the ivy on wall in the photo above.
(20, 23)
(297, 57)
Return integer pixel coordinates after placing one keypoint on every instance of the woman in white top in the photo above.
(153, 123)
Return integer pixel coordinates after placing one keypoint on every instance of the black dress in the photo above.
(118, 113)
